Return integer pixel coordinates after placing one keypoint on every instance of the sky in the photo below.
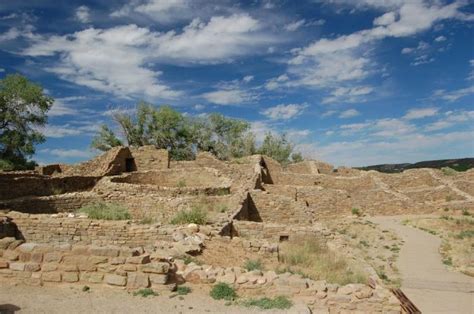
(352, 83)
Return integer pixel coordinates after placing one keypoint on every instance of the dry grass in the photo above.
(314, 260)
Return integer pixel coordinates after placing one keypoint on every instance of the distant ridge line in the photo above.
(459, 164)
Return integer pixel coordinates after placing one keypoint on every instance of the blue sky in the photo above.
(351, 82)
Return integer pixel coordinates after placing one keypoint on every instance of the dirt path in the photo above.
(425, 280)
(68, 298)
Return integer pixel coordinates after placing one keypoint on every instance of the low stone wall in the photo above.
(275, 232)
(19, 185)
(148, 158)
(36, 264)
(47, 229)
(320, 295)
(50, 204)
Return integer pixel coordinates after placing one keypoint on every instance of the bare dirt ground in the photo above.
(425, 280)
(71, 299)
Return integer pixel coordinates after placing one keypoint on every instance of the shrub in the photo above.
(356, 211)
(183, 290)
(465, 212)
(181, 184)
(194, 215)
(145, 292)
(86, 289)
(447, 171)
(314, 260)
(465, 234)
(106, 211)
(280, 302)
(223, 291)
(253, 265)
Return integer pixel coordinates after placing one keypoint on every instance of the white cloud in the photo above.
(328, 113)
(451, 119)
(2, 70)
(420, 48)
(293, 26)
(233, 96)
(440, 39)
(83, 14)
(67, 153)
(350, 113)
(348, 95)
(471, 74)
(59, 131)
(61, 109)
(284, 112)
(386, 19)
(11, 34)
(248, 78)
(420, 113)
(454, 94)
(165, 11)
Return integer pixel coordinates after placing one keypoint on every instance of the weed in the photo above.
(146, 221)
(181, 184)
(183, 290)
(194, 215)
(145, 292)
(448, 261)
(222, 208)
(57, 190)
(223, 291)
(253, 265)
(356, 211)
(465, 234)
(465, 212)
(364, 243)
(314, 260)
(86, 289)
(189, 259)
(449, 198)
(446, 209)
(395, 248)
(280, 302)
(106, 211)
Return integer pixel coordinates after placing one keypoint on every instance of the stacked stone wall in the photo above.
(148, 158)
(35, 263)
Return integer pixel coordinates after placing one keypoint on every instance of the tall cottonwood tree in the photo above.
(23, 108)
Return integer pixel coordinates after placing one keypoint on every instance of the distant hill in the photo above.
(461, 164)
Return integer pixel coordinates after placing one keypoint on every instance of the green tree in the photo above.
(23, 107)
(105, 139)
(297, 157)
(276, 147)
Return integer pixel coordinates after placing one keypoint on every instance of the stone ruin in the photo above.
(253, 204)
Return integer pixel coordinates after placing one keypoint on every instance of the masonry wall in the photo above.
(274, 232)
(34, 263)
(46, 229)
(19, 185)
(148, 158)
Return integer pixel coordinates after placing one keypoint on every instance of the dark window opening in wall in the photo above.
(284, 238)
(130, 165)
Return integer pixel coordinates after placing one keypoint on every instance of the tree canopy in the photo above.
(184, 135)
(23, 107)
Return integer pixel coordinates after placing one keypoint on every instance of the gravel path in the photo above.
(425, 280)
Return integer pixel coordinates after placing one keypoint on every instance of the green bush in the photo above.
(253, 265)
(181, 184)
(223, 291)
(145, 292)
(448, 171)
(183, 290)
(106, 211)
(356, 211)
(194, 215)
(279, 302)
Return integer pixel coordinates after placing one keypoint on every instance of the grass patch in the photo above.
(145, 293)
(194, 215)
(223, 291)
(314, 260)
(253, 265)
(364, 243)
(447, 171)
(465, 212)
(356, 211)
(465, 234)
(106, 211)
(183, 290)
(189, 259)
(147, 221)
(181, 184)
(448, 261)
(280, 302)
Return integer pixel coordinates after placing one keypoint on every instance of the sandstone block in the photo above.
(142, 259)
(97, 260)
(70, 277)
(32, 267)
(37, 257)
(138, 280)
(11, 255)
(19, 266)
(13, 245)
(3, 264)
(117, 260)
(228, 278)
(24, 256)
(115, 280)
(49, 267)
(52, 257)
(92, 277)
(155, 268)
(159, 279)
(80, 250)
(5, 242)
(69, 267)
(53, 276)
(27, 247)
(109, 251)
